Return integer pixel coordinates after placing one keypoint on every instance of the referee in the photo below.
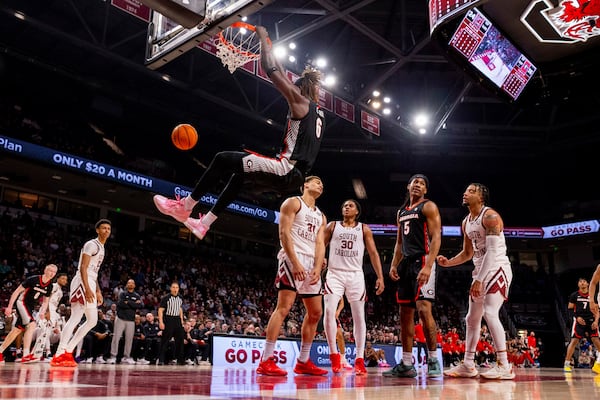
(170, 321)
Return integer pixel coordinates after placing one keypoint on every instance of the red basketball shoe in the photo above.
(359, 366)
(269, 367)
(308, 368)
(336, 362)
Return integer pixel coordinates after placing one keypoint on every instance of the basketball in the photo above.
(184, 136)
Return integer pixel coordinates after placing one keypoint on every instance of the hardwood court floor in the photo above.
(148, 382)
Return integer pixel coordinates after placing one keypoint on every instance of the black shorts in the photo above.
(409, 290)
(24, 317)
(580, 331)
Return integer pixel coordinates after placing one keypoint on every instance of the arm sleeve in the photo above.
(492, 244)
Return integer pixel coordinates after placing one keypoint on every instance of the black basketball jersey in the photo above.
(34, 289)
(413, 226)
(582, 305)
(302, 139)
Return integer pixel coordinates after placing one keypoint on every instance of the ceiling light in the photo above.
(56, 177)
(321, 62)
(292, 59)
(279, 52)
(329, 80)
(376, 104)
(422, 131)
(421, 120)
(387, 111)
(376, 93)
(292, 46)
(386, 99)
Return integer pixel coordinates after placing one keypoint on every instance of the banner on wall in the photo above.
(70, 162)
(243, 351)
(122, 176)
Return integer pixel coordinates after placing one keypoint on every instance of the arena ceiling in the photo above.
(85, 60)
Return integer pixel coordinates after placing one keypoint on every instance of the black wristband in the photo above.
(271, 70)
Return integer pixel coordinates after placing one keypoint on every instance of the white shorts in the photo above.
(77, 293)
(255, 162)
(350, 283)
(285, 278)
(498, 280)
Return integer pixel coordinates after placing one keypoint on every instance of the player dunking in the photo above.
(85, 296)
(347, 241)
(285, 173)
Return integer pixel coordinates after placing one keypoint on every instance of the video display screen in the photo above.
(492, 54)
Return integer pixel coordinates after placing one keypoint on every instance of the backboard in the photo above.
(177, 26)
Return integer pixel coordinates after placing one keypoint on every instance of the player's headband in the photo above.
(415, 176)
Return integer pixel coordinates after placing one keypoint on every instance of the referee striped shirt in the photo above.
(172, 305)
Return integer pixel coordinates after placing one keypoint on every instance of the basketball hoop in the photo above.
(238, 44)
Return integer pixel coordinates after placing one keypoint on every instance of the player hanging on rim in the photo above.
(284, 173)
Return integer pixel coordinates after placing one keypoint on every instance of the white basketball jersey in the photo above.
(305, 226)
(346, 248)
(95, 250)
(475, 231)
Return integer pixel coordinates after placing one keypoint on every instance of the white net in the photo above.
(237, 45)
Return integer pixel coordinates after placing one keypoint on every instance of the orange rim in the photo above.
(234, 48)
(241, 24)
